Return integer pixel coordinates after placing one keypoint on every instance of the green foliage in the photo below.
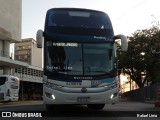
(142, 57)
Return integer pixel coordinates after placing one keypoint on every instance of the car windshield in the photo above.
(79, 59)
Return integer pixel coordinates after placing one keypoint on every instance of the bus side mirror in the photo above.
(39, 38)
(124, 41)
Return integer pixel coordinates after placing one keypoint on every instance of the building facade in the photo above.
(10, 22)
(10, 32)
(27, 51)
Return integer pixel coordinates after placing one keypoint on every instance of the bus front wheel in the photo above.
(96, 106)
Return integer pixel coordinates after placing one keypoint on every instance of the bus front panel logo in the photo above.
(84, 90)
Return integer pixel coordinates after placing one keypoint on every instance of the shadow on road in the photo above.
(83, 111)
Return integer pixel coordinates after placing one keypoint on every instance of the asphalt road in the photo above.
(124, 110)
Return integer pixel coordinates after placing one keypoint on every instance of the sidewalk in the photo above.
(18, 103)
(146, 100)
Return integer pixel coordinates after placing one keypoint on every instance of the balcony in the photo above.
(6, 59)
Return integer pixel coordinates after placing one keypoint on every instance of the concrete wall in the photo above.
(10, 29)
(36, 56)
(148, 92)
(10, 18)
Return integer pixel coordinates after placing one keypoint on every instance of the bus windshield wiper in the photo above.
(101, 71)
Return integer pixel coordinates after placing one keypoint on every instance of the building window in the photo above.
(19, 57)
(17, 48)
(25, 56)
(17, 52)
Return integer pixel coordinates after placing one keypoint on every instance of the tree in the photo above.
(143, 56)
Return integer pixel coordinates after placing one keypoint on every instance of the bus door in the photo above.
(2, 88)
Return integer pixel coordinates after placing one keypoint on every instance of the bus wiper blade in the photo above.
(98, 71)
(69, 71)
(101, 71)
(74, 71)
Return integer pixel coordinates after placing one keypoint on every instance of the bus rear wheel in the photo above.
(96, 106)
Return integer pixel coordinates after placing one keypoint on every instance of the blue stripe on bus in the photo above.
(107, 80)
(75, 38)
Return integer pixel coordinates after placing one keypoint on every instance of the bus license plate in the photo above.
(83, 99)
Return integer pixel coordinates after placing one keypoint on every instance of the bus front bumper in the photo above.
(52, 96)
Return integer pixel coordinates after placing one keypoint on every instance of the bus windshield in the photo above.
(79, 58)
(77, 21)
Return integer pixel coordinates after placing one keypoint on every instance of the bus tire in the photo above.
(96, 106)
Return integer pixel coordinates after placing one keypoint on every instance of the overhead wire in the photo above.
(134, 7)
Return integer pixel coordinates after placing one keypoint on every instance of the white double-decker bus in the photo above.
(80, 64)
(9, 88)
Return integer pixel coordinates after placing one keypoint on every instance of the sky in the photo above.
(127, 16)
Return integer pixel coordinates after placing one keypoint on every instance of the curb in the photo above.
(145, 101)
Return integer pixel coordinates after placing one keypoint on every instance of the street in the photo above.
(120, 111)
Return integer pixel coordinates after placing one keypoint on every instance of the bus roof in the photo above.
(76, 9)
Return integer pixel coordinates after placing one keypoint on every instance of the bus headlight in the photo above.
(111, 86)
(113, 95)
(51, 96)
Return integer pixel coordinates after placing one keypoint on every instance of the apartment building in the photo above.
(27, 51)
